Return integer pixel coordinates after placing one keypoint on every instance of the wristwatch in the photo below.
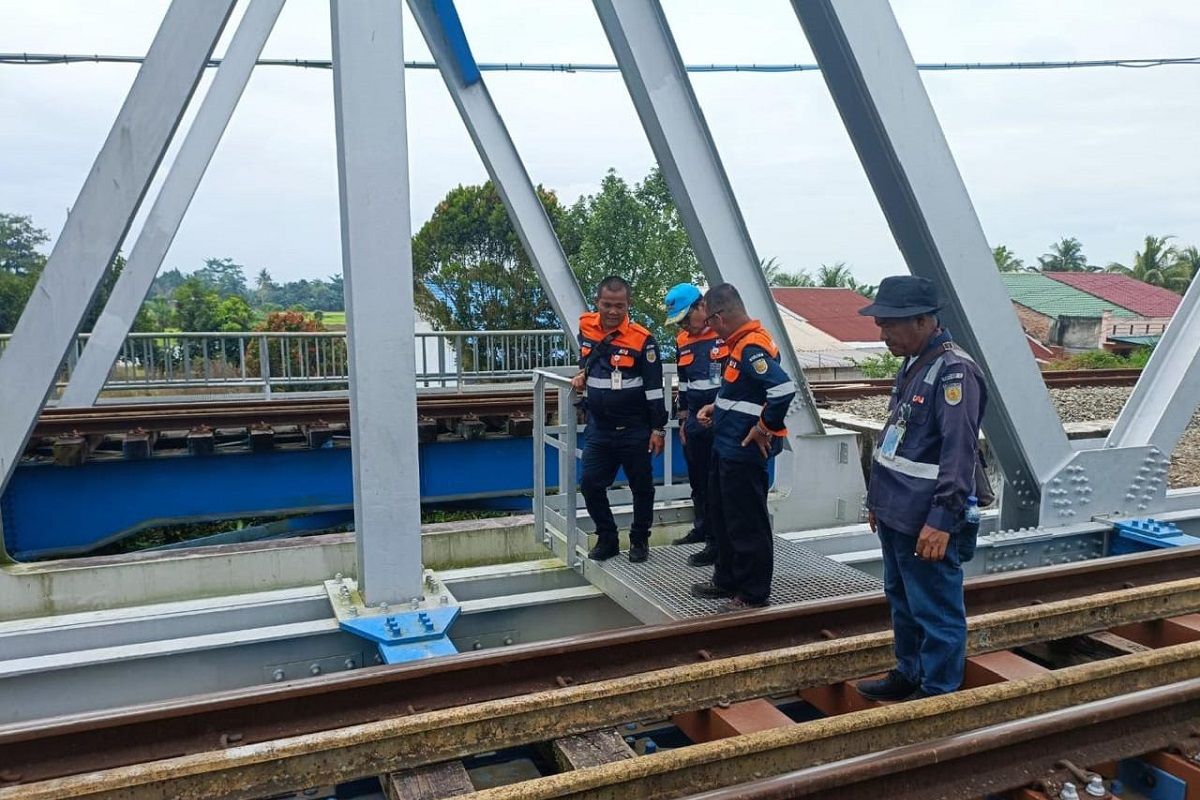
(659, 432)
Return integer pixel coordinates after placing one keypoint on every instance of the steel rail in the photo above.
(43, 749)
(389, 744)
(997, 758)
(115, 419)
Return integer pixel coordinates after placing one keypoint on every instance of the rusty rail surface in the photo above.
(49, 748)
(116, 419)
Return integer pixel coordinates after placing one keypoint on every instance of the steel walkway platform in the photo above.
(658, 590)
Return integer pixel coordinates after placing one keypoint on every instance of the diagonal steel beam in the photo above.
(162, 223)
(654, 73)
(1166, 394)
(372, 151)
(443, 32)
(102, 214)
(874, 82)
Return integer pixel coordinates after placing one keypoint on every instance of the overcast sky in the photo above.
(1107, 155)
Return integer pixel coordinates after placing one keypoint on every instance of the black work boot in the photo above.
(707, 590)
(893, 686)
(691, 537)
(705, 558)
(638, 552)
(604, 549)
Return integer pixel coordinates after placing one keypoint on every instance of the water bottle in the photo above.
(971, 514)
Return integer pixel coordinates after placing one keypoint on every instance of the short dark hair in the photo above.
(614, 283)
(724, 297)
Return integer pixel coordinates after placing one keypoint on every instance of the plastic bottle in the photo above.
(971, 514)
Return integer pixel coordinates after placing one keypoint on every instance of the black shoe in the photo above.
(707, 590)
(919, 694)
(604, 550)
(893, 686)
(638, 552)
(739, 604)
(691, 537)
(705, 558)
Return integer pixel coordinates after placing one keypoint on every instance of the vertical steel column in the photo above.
(874, 82)
(443, 32)
(1168, 390)
(102, 214)
(162, 223)
(641, 40)
(372, 148)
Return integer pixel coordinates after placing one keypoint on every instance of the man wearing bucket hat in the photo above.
(922, 490)
(700, 355)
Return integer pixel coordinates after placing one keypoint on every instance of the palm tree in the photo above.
(776, 275)
(1187, 261)
(1066, 255)
(1157, 264)
(1006, 260)
(837, 276)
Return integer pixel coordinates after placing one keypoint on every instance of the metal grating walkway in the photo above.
(657, 590)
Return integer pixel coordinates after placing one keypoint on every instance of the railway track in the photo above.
(505, 404)
(279, 738)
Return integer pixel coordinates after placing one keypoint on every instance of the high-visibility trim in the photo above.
(634, 382)
(913, 469)
(653, 394)
(704, 384)
(742, 406)
(783, 389)
(684, 385)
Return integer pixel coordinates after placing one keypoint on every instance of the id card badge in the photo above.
(714, 370)
(617, 380)
(891, 440)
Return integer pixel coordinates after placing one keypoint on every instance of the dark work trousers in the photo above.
(604, 452)
(741, 527)
(929, 619)
(698, 453)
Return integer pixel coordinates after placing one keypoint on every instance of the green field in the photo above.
(334, 319)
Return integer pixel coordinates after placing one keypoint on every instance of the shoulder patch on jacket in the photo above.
(651, 354)
(760, 365)
(952, 393)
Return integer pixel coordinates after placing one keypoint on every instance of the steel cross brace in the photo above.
(162, 223)
(102, 214)
(440, 25)
(874, 83)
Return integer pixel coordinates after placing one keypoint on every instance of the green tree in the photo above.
(635, 233)
(839, 276)
(777, 276)
(226, 277)
(1157, 264)
(234, 314)
(1006, 260)
(470, 270)
(1188, 262)
(21, 264)
(197, 306)
(1066, 255)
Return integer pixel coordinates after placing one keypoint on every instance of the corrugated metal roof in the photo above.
(1056, 299)
(1141, 298)
(834, 311)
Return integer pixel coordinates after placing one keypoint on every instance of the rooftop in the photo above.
(833, 311)
(1140, 298)
(1057, 299)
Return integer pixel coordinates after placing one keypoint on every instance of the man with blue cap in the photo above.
(922, 491)
(700, 355)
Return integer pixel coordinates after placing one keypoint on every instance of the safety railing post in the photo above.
(264, 365)
(539, 459)
(566, 474)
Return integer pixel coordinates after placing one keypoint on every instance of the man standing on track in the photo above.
(700, 356)
(621, 373)
(748, 428)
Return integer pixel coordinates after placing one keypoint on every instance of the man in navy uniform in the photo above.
(626, 416)
(747, 418)
(700, 355)
(922, 474)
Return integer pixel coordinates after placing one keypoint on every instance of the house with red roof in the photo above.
(1153, 305)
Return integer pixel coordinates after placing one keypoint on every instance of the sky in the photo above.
(1106, 155)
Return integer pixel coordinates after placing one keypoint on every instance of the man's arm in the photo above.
(780, 389)
(957, 411)
(652, 383)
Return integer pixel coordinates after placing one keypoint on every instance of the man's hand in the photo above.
(578, 382)
(931, 544)
(763, 440)
(871, 522)
(704, 416)
(657, 441)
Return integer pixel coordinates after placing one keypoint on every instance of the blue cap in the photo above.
(679, 301)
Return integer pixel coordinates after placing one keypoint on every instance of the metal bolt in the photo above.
(349, 663)
(477, 646)
(315, 669)
(353, 611)
(1095, 787)
(1068, 792)
(444, 600)
(338, 577)
(378, 658)
(383, 607)
(508, 640)
(414, 603)
(277, 675)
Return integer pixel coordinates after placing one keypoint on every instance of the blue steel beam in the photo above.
(50, 510)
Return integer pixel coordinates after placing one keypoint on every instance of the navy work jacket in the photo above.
(700, 361)
(928, 479)
(753, 387)
(632, 351)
